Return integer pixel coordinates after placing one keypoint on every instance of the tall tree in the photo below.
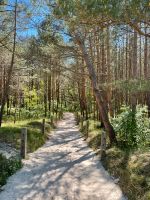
(10, 69)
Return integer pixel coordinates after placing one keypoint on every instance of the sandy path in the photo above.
(65, 168)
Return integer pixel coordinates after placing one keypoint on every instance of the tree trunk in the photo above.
(134, 70)
(97, 93)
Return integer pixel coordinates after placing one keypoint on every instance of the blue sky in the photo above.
(38, 14)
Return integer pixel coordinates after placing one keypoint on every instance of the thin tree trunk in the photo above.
(134, 69)
(10, 70)
(109, 90)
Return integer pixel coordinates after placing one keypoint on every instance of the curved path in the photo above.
(65, 168)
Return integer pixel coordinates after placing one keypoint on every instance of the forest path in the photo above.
(65, 168)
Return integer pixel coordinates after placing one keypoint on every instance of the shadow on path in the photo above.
(64, 168)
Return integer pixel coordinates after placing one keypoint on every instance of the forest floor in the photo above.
(65, 168)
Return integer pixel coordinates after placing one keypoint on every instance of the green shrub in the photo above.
(8, 167)
(132, 128)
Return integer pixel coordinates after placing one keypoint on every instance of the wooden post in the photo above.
(52, 121)
(103, 145)
(23, 142)
(77, 118)
(56, 117)
(59, 115)
(94, 124)
(87, 128)
(81, 123)
(43, 127)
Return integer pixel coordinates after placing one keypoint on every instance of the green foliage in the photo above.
(126, 127)
(77, 11)
(8, 167)
(132, 128)
(129, 85)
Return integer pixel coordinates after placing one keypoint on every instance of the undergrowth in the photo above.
(132, 169)
(130, 160)
(8, 167)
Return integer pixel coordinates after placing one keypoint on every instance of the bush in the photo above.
(132, 128)
(8, 167)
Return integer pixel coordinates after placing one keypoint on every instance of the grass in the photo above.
(131, 167)
(133, 170)
(11, 133)
(94, 133)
